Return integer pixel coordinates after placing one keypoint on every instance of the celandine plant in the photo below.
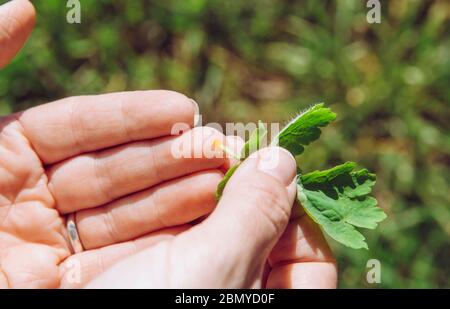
(338, 198)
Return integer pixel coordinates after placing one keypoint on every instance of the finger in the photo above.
(249, 219)
(302, 258)
(17, 19)
(95, 179)
(79, 269)
(71, 126)
(310, 275)
(302, 241)
(235, 144)
(172, 203)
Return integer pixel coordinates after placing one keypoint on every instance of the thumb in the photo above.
(229, 249)
(17, 19)
(251, 216)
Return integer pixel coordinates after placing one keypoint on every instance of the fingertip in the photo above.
(196, 109)
(17, 19)
(185, 109)
(261, 192)
(209, 180)
(278, 163)
(310, 275)
(31, 11)
(26, 9)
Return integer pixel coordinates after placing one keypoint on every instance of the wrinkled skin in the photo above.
(139, 211)
(34, 196)
(30, 226)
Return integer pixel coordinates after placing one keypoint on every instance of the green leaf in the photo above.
(224, 181)
(304, 129)
(337, 199)
(254, 142)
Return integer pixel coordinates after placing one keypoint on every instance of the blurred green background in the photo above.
(266, 59)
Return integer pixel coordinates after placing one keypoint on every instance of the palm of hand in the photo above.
(32, 233)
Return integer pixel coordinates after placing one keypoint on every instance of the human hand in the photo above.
(247, 242)
(102, 158)
(107, 159)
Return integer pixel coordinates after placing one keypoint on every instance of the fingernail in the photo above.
(279, 163)
(196, 112)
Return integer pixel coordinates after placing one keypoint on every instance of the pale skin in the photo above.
(145, 218)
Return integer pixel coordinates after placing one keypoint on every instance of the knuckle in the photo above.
(111, 226)
(156, 159)
(101, 171)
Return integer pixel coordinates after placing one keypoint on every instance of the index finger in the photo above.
(75, 125)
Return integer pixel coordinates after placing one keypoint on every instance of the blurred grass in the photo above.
(265, 59)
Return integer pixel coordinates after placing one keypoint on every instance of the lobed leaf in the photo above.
(304, 129)
(337, 199)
